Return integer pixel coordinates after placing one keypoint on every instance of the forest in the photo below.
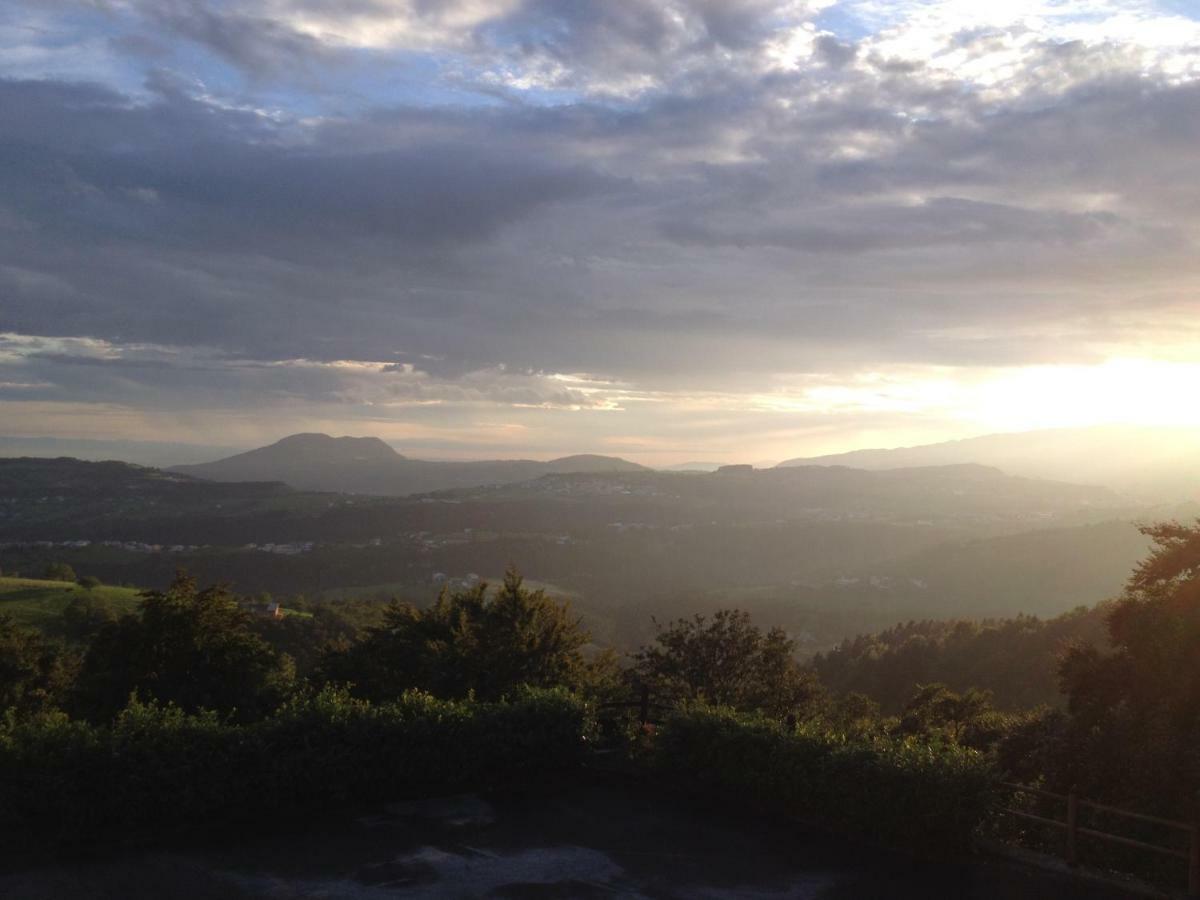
(126, 721)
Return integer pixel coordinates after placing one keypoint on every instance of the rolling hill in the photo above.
(1150, 464)
(833, 550)
(38, 603)
(367, 465)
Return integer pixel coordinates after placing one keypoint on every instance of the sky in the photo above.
(670, 230)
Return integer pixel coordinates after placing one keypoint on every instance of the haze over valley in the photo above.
(825, 549)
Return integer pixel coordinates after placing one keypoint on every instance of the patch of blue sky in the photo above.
(849, 21)
(1189, 9)
(65, 44)
(365, 79)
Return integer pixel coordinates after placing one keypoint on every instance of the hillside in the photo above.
(48, 499)
(1061, 567)
(962, 493)
(1016, 659)
(367, 465)
(1047, 572)
(825, 550)
(1153, 464)
(37, 603)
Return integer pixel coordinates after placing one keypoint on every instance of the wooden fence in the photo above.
(650, 713)
(1073, 830)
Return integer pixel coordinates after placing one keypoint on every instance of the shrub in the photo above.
(927, 798)
(471, 642)
(157, 767)
(58, 571)
(188, 647)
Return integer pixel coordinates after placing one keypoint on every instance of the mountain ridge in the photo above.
(1152, 462)
(369, 465)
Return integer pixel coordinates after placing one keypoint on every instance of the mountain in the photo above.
(1152, 464)
(977, 498)
(367, 465)
(72, 499)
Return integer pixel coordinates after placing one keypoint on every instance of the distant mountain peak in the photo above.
(368, 465)
(592, 462)
(343, 447)
(1149, 463)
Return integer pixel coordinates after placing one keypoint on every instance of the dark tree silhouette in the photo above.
(475, 641)
(194, 648)
(726, 660)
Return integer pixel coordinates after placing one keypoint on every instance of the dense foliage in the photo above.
(1133, 721)
(474, 642)
(154, 766)
(35, 673)
(726, 661)
(1015, 659)
(192, 709)
(190, 647)
(928, 797)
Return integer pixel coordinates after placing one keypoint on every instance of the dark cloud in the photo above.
(693, 215)
(833, 52)
(255, 43)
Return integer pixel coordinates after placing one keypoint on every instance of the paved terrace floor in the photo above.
(571, 840)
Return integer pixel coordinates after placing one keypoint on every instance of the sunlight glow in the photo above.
(1123, 391)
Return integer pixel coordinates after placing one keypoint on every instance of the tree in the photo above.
(34, 673)
(469, 641)
(306, 639)
(86, 615)
(1135, 712)
(59, 571)
(968, 718)
(190, 647)
(726, 661)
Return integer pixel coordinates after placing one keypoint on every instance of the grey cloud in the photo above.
(163, 378)
(596, 45)
(257, 44)
(938, 222)
(746, 225)
(164, 174)
(833, 52)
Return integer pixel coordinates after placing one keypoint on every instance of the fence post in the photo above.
(1194, 851)
(1072, 827)
(645, 709)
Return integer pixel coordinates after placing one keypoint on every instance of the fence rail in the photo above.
(647, 714)
(1073, 829)
(643, 705)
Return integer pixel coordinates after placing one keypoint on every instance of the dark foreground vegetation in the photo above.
(155, 766)
(193, 710)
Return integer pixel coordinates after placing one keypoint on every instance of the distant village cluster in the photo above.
(133, 546)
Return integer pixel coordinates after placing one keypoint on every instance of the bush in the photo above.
(58, 571)
(928, 798)
(192, 648)
(157, 767)
(471, 642)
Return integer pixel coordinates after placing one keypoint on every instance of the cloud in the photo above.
(420, 211)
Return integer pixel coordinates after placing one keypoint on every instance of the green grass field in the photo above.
(37, 603)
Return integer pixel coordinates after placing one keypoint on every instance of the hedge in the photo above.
(921, 797)
(155, 767)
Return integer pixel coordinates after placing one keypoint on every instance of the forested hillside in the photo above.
(1016, 660)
